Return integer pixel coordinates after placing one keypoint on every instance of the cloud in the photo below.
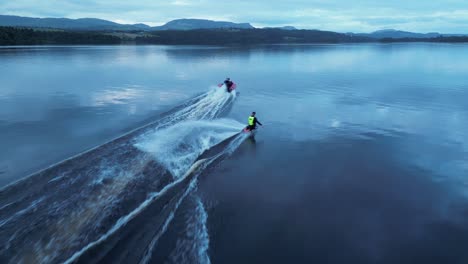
(449, 16)
(181, 3)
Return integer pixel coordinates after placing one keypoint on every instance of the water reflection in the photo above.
(333, 200)
(364, 150)
(121, 96)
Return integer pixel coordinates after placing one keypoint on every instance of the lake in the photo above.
(132, 154)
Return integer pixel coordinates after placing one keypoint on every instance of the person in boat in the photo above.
(252, 122)
(228, 84)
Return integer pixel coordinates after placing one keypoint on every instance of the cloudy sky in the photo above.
(449, 16)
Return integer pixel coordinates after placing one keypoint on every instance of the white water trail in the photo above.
(170, 151)
(206, 106)
(202, 239)
(149, 251)
(108, 186)
(32, 206)
(125, 219)
(178, 146)
(193, 245)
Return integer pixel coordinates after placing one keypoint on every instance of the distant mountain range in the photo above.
(67, 24)
(396, 34)
(100, 24)
(93, 24)
(188, 24)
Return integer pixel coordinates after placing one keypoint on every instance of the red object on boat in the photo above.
(232, 87)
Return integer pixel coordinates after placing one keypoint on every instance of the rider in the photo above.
(253, 121)
(228, 84)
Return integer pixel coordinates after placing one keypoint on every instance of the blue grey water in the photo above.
(363, 156)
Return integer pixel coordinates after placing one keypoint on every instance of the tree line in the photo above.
(245, 36)
(26, 36)
(440, 39)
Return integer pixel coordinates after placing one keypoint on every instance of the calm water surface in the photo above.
(363, 157)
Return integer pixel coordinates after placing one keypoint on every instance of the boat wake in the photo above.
(178, 146)
(115, 202)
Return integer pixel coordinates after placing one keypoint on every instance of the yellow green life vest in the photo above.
(251, 120)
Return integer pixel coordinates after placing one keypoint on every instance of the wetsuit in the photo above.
(253, 121)
(228, 84)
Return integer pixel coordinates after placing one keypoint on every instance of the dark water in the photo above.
(362, 157)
